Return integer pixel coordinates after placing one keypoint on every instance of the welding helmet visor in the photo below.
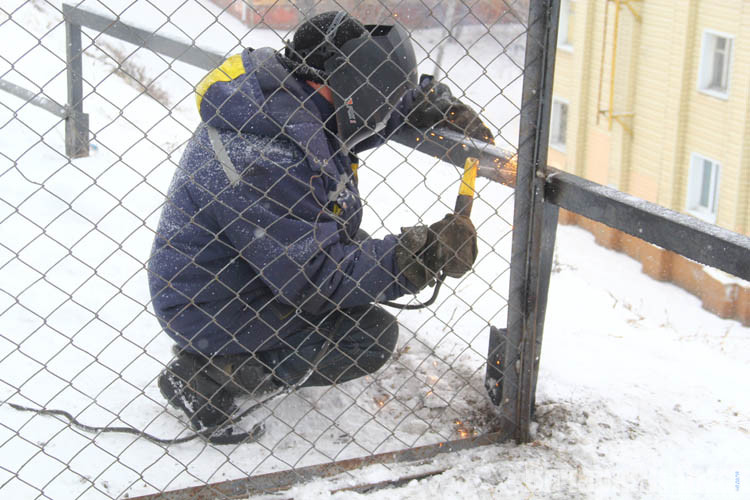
(368, 76)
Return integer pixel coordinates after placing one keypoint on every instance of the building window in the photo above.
(559, 124)
(716, 59)
(703, 187)
(564, 40)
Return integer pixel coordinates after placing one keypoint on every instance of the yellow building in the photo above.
(652, 97)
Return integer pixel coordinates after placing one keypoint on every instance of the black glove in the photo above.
(449, 245)
(435, 106)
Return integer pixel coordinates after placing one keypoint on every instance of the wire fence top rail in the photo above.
(187, 53)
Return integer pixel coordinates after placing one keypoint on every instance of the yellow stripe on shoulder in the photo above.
(229, 70)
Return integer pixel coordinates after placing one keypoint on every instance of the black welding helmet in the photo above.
(368, 74)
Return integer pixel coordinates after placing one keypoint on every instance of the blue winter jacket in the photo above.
(252, 250)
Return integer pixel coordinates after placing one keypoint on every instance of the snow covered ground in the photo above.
(642, 394)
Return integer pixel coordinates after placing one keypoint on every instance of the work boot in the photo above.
(205, 389)
(242, 375)
(186, 385)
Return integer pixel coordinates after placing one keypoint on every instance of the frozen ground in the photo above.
(641, 392)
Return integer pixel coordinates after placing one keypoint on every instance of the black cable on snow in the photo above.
(249, 436)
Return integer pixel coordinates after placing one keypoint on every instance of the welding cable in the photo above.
(250, 436)
(421, 305)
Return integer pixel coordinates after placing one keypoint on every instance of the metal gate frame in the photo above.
(510, 383)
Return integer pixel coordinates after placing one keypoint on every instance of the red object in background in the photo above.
(413, 14)
(276, 15)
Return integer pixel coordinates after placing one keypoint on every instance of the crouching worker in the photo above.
(259, 263)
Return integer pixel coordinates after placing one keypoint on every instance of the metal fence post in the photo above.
(534, 223)
(77, 122)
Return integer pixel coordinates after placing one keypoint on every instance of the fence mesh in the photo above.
(236, 266)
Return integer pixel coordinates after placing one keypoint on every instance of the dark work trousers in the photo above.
(360, 341)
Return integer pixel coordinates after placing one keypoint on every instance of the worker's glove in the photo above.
(435, 106)
(449, 245)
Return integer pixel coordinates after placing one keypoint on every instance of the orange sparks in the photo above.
(512, 163)
(465, 430)
(381, 399)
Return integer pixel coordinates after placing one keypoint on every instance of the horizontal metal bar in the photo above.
(494, 163)
(680, 233)
(184, 52)
(278, 481)
(36, 99)
(368, 488)
(686, 235)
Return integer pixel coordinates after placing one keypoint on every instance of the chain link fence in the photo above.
(84, 185)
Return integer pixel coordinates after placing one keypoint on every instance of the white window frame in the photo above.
(707, 64)
(703, 201)
(563, 26)
(554, 124)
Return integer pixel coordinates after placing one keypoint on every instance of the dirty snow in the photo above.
(642, 394)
